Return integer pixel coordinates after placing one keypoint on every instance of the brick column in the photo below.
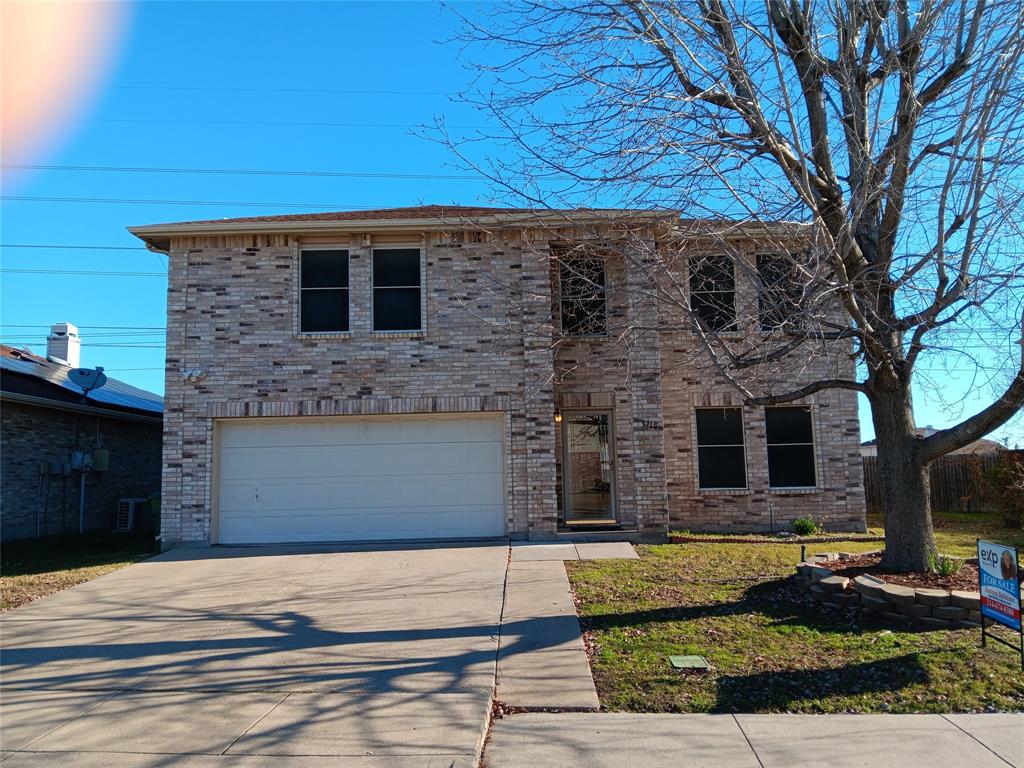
(645, 389)
(174, 396)
(538, 406)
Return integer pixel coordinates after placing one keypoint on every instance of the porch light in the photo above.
(558, 416)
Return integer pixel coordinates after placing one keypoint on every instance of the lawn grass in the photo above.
(32, 568)
(956, 532)
(771, 652)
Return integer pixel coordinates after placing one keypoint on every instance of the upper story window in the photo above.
(721, 462)
(323, 291)
(713, 291)
(397, 290)
(790, 447)
(778, 295)
(583, 298)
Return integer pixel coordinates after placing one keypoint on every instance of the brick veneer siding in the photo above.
(232, 313)
(31, 434)
(689, 381)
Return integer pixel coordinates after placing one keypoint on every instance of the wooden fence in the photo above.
(953, 484)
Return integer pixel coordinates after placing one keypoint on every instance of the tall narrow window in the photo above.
(323, 291)
(778, 296)
(790, 447)
(584, 303)
(396, 289)
(713, 291)
(720, 455)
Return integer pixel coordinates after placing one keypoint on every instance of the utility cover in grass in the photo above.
(689, 662)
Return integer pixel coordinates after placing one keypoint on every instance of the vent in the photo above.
(63, 345)
(126, 514)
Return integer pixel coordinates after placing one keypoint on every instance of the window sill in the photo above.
(326, 335)
(589, 338)
(726, 491)
(399, 334)
(794, 491)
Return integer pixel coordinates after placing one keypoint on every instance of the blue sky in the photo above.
(265, 86)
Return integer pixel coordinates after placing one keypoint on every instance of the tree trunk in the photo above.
(903, 476)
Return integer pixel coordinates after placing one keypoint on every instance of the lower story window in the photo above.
(720, 456)
(790, 447)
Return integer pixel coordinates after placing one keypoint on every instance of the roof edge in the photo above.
(157, 236)
(539, 218)
(45, 402)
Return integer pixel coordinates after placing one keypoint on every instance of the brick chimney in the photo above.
(63, 345)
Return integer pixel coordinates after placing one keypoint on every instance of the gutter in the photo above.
(43, 402)
(157, 236)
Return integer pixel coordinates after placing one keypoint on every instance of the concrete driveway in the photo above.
(238, 657)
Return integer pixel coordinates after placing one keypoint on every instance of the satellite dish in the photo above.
(87, 379)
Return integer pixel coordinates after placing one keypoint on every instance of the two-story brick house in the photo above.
(429, 373)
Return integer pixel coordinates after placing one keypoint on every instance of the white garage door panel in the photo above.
(360, 478)
(363, 461)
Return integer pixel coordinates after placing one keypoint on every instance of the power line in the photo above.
(133, 201)
(286, 124)
(243, 172)
(77, 247)
(91, 272)
(103, 327)
(121, 370)
(111, 344)
(243, 89)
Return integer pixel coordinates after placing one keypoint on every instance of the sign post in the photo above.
(999, 579)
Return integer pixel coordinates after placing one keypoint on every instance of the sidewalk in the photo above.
(612, 740)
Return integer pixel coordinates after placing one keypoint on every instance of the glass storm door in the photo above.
(589, 468)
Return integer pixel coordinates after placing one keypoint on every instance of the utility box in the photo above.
(101, 460)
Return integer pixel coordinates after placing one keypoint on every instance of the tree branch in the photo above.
(810, 389)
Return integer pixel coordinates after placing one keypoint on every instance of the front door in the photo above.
(589, 468)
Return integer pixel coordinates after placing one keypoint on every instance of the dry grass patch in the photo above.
(35, 568)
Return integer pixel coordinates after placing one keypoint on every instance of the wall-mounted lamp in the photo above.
(558, 416)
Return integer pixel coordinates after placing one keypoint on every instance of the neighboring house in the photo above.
(981, 446)
(49, 431)
(390, 374)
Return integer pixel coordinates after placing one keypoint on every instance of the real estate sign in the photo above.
(999, 583)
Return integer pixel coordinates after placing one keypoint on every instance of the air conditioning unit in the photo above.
(126, 514)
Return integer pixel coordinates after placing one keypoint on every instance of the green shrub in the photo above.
(944, 566)
(805, 526)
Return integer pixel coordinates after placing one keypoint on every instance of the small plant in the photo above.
(805, 526)
(944, 566)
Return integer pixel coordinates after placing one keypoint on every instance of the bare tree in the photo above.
(891, 130)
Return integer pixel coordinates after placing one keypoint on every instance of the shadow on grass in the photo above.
(55, 553)
(775, 600)
(779, 690)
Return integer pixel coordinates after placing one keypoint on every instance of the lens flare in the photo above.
(55, 57)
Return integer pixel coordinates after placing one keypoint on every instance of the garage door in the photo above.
(360, 479)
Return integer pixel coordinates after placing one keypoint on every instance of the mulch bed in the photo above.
(966, 578)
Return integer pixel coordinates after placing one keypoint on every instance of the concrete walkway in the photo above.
(605, 740)
(542, 662)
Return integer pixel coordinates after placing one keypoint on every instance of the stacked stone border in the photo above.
(939, 608)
